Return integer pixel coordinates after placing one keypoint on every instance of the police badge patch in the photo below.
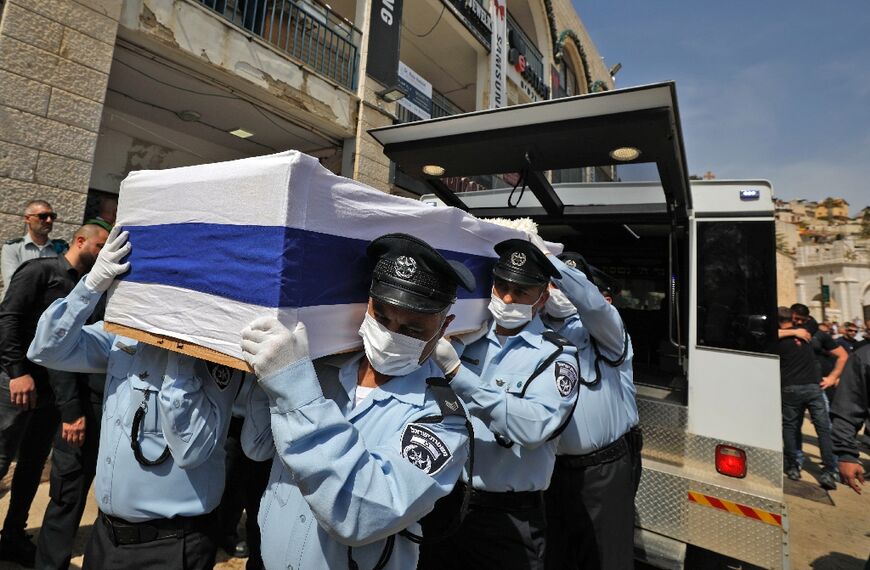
(222, 375)
(424, 449)
(566, 378)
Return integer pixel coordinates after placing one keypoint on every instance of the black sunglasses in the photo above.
(45, 215)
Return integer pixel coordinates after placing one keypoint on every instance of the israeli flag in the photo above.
(215, 246)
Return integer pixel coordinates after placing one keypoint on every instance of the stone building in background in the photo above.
(819, 244)
(92, 89)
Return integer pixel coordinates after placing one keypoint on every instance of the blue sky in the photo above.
(773, 90)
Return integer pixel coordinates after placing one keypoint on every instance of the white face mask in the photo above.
(558, 305)
(391, 353)
(511, 315)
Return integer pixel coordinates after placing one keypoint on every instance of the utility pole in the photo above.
(823, 289)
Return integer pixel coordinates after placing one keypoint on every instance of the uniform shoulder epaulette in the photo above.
(14, 240)
(555, 338)
(59, 246)
(446, 398)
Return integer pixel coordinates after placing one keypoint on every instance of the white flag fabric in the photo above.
(216, 245)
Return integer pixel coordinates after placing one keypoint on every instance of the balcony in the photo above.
(441, 107)
(306, 30)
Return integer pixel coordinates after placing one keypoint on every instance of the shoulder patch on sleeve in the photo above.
(566, 378)
(423, 449)
(222, 375)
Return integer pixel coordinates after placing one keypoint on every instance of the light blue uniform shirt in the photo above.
(353, 476)
(189, 407)
(491, 382)
(607, 410)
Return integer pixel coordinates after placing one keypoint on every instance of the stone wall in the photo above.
(55, 57)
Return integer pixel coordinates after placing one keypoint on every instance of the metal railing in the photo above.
(522, 42)
(441, 107)
(304, 29)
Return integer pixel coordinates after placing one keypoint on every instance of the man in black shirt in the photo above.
(801, 390)
(849, 341)
(28, 411)
(851, 408)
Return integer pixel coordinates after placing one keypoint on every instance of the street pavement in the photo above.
(822, 536)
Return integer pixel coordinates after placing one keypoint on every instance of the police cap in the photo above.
(604, 282)
(412, 275)
(521, 262)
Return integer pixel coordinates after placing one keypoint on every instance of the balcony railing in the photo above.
(441, 107)
(306, 30)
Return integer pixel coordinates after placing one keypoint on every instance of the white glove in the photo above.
(473, 336)
(538, 242)
(268, 346)
(108, 264)
(445, 356)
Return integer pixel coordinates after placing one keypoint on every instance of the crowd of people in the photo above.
(823, 370)
(512, 446)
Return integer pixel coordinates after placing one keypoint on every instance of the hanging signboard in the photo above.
(498, 54)
(384, 33)
(418, 100)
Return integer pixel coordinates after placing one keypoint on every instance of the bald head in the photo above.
(88, 231)
(85, 247)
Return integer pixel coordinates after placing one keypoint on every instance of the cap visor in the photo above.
(517, 278)
(405, 299)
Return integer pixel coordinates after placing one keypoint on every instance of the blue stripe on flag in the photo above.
(269, 266)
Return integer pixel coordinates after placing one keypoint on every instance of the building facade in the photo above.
(93, 89)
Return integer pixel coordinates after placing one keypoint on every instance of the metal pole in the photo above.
(822, 295)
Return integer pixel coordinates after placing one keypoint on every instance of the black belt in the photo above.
(508, 500)
(606, 454)
(122, 532)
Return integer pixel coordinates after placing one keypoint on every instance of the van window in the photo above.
(736, 285)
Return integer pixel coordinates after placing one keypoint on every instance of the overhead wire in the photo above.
(432, 29)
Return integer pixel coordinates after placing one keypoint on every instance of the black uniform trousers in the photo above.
(72, 472)
(181, 543)
(501, 531)
(25, 437)
(590, 510)
(245, 484)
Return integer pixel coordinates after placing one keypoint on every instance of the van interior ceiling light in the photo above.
(241, 133)
(392, 94)
(624, 153)
(433, 170)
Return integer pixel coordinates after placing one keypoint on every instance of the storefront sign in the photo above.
(418, 100)
(498, 55)
(522, 72)
(384, 33)
(475, 17)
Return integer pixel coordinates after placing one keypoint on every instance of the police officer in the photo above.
(39, 218)
(160, 469)
(28, 407)
(366, 442)
(590, 502)
(519, 381)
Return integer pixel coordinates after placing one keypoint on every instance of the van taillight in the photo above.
(730, 461)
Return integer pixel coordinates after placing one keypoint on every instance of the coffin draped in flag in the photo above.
(217, 245)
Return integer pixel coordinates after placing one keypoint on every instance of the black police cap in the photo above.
(604, 282)
(521, 262)
(412, 275)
